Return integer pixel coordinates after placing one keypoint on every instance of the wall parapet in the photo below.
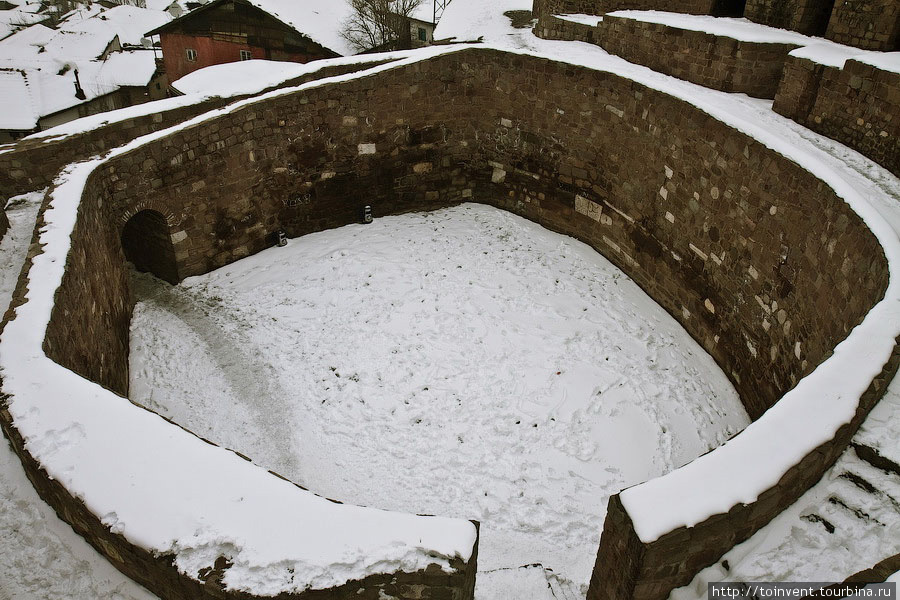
(856, 104)
(696, 212)
(601, 7)
(34, 162)
(714, 61)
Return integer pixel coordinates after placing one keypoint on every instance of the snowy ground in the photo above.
(465, 363)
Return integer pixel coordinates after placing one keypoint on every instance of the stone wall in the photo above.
(761, 262)
(649, 571)
(857, 105)
(716, 62)
(159, 575)
(869, 24)
(809, 17)
(33, 164)
(550, 27)
(600, 7)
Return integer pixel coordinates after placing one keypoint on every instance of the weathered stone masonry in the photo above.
(759, 260)
(600, 7)
(716, 62)
(857, 105)
(33, 164)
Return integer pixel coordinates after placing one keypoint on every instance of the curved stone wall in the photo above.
(760, 261)
(32, 163)
(600, 7)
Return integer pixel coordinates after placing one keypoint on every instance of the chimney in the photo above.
(79, 93)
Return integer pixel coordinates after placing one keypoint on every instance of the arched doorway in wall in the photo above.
(729, 8)
(147, 243)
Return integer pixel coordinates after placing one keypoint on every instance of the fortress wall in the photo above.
(760, 261)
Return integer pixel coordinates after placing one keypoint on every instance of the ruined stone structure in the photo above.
(600, 7)
(869, 24)
(858, 105)
(35, 162)
(809, 17)
(717, 62)
(764, 265)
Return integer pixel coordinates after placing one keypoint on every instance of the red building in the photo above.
(224, 31)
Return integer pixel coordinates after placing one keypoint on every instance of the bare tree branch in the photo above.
(379, 24)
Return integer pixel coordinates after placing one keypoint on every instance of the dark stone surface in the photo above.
(858, 105)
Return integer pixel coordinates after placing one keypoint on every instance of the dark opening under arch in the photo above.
(820, 18)
(729, 8)
(147, 244)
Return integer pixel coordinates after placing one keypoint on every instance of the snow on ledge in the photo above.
(167, 491)
(741, 29)
(816, 49)
(592, 20)
(235, 79)
(836, 55)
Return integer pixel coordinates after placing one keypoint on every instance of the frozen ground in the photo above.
(465, 362)
(41, 558)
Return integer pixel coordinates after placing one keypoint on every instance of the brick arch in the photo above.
(154, 204)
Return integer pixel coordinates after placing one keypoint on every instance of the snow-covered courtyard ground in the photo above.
(464, 362)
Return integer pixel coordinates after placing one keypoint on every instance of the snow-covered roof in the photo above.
(23, 47)
(68, 46)
(160, 4)
(128, 22)
(319, 20)
(26, 95)
(16, 19)
(16, 114)
(466, 20)
(123, 69)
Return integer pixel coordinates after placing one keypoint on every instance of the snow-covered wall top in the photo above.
(696, 211)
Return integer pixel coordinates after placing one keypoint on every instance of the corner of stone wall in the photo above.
(856, 105)
(620, 557)
(798, 88)
(629, 569)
